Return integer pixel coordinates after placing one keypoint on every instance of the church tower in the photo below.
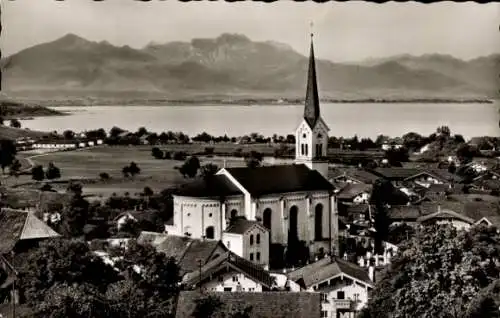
(311, 137)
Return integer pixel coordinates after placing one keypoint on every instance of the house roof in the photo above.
(186, 251)
(357, 174)
(20, 225)
(445, 214)
(263, 304)
(396, 173)
(472, 206)
(217, 185)
(352, 190)
(229, 260)
(241, 226)
(492, 220)
(279, 179)
(409, 213)
(327, 268)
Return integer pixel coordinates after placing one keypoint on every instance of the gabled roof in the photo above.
(263, 305)
(328, 268)
(356, 174)
(490, 220)
(17, 225)
(279, 179)
(186, 251)
(214, 186)
(444, 215)
(396, 173)
(351, 190)
(242, 225)
(233, 261)
(311, 107)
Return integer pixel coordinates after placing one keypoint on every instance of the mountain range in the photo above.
(234, 65)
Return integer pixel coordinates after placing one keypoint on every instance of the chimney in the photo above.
(371, 273)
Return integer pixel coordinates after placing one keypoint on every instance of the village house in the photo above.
(248, 239)
(229, 272)
(490, 221)
(265, 304)
(344, 287)
(295, 200)
(355, 193)
(445, 216)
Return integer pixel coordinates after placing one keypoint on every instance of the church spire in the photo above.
(311, 109)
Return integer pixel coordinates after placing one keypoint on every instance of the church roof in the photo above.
(217, 185)
(241, 226)
(311, 109)
(279, 179)
(20, 225)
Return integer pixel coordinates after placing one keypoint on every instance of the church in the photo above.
(292, 201)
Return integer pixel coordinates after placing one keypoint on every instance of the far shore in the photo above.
(248, 102)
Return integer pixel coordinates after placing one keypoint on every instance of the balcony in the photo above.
(342, 303)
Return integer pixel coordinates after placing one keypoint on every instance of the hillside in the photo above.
(231, 65)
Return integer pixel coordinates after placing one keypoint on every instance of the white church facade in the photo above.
(294, 201)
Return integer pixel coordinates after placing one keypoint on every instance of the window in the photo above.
(258, 238)
(209, 215)
(235, 278)
(302, 149)
(251, 256)
(306, 149)
(304, 136)
(228, 244)
(228, 289)
(340, 295)
(324, 297)
(234, 213)
(324, 314)
(258, 256)
(221, 278)
(251, 239)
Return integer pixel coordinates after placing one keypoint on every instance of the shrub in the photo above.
(104, 176)
(180, 155)
(209, 150)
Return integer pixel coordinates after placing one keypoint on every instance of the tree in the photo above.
(126, 171)
(69, 134)
(190, 167)
(15, 123)
(395, 156)
(115, 131)
(37, 173)
(157, 153)
(52, 172)
(75, 216)
(75, 188)
(14, 168)
(254, 159)
(134, 169)
(104, 176)
(208, 170)
(381, 196)
(439, 273)
(7, 153)
(465, 153)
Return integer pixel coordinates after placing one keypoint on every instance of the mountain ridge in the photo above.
(234, 63)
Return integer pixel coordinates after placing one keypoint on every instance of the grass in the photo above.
(88, 163)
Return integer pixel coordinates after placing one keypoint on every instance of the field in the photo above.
(88, 163)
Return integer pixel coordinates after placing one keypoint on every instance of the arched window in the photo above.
(210, 232)
(318, 222)
(302, 149)
(293, 221)
(251, 239)
(234, 213)
(306, 149)
(266, 218)
(258, 238)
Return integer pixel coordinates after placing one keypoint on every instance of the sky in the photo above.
(347, 31)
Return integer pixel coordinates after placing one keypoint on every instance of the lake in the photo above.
(363, 119)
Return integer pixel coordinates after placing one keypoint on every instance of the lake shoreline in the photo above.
(251, 102)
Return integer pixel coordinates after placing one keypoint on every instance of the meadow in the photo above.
(88, 163)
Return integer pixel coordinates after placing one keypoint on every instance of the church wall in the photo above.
(195, 215)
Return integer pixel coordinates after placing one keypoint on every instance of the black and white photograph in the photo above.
(213, 159)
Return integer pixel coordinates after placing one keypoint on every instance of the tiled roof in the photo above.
(352, 190)
(233, 261)
(264, 304)
(197, 250)
(396, 173)
(465, 205)
(445, 214)
(19, 225)
(279, 179)
(360, 175)
(241, 225)
(409, 213)
(494, 220)
(217, 185)
(327, 268)
(152, 238)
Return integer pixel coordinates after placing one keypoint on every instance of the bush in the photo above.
(238, 153)
(209, 150)
(104, 176)
(180, 156)
(167, 155)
